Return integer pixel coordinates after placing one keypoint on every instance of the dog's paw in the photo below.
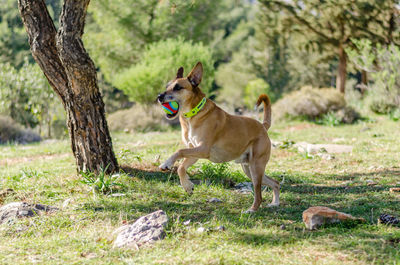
(273, 204)
(167, 165)
(188, 186)
(250, 211)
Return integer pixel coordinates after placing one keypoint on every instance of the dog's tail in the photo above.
(267, 109)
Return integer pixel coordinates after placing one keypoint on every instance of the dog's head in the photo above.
(184, 90)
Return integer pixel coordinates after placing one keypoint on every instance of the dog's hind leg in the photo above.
(275, 186)
(183, 176)
(246, 170)
(257, 173)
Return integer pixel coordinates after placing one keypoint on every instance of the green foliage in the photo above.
(160, 61)
(14, 46)
(102, 183)
(324, 28)
(329, 119)
(26, 96)
(220, 173)
(119, 30)
(395, 115)
(254, 89)
(233, 77)
(383, 64)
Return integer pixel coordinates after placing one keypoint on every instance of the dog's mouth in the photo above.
(171, 109)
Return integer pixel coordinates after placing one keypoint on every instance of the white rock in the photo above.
(303, 147)
(146, 230)
(201, 229)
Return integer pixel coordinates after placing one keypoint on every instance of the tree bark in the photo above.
(72, 74)
(364, 77)
(342, 70)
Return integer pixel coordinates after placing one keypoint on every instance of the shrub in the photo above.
(11, 132)
(102, 183)
(138, 118)
(27, 98)
(159, 63)
(308, 102)
(254, 89)
(233, 77)
(220, 173)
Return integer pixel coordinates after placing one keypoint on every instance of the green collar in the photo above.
(196, 109)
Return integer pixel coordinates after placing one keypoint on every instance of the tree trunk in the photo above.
(72, 75)
(364, 77)
(342, 70)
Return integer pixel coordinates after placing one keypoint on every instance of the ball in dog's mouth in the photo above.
(171, 109)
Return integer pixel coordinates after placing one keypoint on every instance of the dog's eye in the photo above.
(177, 87)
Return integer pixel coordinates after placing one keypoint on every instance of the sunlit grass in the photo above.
(81, 232)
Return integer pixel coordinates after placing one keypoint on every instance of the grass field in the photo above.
(81, 232)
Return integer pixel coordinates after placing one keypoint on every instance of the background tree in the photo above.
(145, 80)
(14, 46)
(119, 30)
(72, 74)
(333, 24)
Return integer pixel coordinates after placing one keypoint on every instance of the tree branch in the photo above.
(41, 33)
(303, 21)
(81, 71)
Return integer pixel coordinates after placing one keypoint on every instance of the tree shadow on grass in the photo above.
(308, 193)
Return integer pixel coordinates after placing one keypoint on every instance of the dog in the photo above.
(211, 133)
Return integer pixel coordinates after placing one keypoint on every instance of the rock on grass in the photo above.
(146, 230)
(22, 209)
(316, 216)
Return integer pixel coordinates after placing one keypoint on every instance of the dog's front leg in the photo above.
(183, 176)
(201, 151)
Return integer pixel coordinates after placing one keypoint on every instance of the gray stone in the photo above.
(22, 209)
(221, 228)
(326, 156)
(244, 187)
(146, 230)
(214, 200)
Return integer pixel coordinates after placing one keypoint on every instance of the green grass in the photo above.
(81, 232)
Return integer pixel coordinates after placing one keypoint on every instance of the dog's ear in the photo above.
(196, 74)
(179, 74)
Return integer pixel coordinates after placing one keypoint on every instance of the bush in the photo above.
(27, 98)
(254, 89)
(138, 118)
(233, 77)
(11, 132)
(309, 103)
(159, 63)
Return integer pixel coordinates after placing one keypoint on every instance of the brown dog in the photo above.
(211, 133)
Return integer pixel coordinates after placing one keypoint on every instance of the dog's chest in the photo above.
(193, 138)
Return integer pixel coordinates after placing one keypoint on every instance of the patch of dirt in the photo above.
(281, 153)
(144, 167)
(27, 159)
(299, 127)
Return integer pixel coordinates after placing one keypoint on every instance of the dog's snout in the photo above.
(161, 97)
